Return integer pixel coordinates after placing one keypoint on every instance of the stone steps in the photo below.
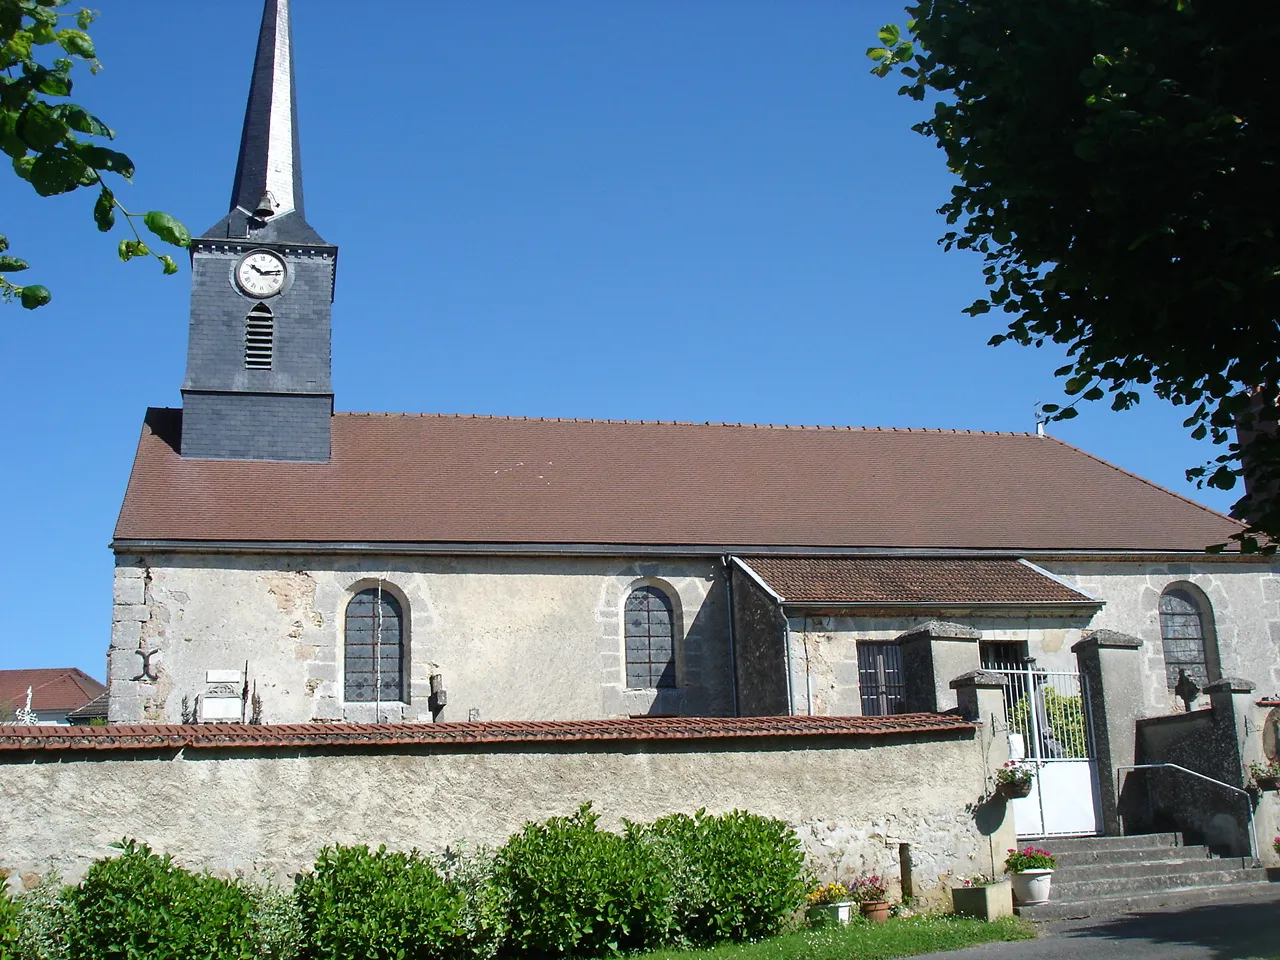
(1102, 876)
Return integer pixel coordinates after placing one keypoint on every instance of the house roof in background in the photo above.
(398, 478)
(906, 580)
(52, 688)
(95, 709)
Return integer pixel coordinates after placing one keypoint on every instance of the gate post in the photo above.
(1110, 669)
(932, 653)
(981, 699)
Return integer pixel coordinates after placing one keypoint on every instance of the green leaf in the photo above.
(167, 228)
(39, 128)
(101, 158)
(12, 265)
(1070, 413)
(80, 119)
(18, 46)
(76, 43)
(889, 34)
(22, 166)
(104, 210)
(170, 266)
(57, 171)
(54, 83)
(877, 53)
(35, 296)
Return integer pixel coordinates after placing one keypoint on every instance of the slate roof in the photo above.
(907, 580)
(348, 735)
(52, 688)
(397, 478)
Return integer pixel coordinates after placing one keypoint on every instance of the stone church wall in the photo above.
(258, 811)
(516, 638)
(1245, 601)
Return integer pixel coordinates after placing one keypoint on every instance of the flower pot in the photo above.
(877, 911)
(1268, 783)
(830, 914)
(984, 903)
(1031, 887)
(1014, 790)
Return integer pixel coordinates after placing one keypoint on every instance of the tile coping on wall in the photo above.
(171, 736)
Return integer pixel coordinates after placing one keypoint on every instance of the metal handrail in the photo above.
(1253, 829)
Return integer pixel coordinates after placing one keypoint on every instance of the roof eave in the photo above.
(550, 548)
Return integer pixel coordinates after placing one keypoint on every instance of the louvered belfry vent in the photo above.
(259, 338)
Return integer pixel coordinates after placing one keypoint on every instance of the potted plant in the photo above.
(829, 903)
(1266, 776)
(1032, 870)
(1014, 779)
(869, 892)
(983, 898)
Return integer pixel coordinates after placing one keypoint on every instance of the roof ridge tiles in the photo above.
(957, 431)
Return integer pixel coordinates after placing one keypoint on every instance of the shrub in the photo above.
(45, 919)
(738, 876)
(576, 889)
(142, 905)
(375, 904)
(277, 923)
(8, 925)
(482, 917)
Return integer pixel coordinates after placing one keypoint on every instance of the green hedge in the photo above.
(377, 904)
(560, 888)
(140, 904)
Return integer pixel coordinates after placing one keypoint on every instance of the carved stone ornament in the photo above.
(1187, 690)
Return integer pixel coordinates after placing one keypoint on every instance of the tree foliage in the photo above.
(1117, 164)
(56, 145)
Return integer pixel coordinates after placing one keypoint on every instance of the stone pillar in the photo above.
(1261, 746)
(981, 700)
(1110, 669)
(933, 653)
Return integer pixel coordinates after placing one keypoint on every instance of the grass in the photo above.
(904, 937)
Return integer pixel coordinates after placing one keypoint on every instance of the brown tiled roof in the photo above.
(910, 580)
(346, 735)
(52, 688)
(93, 710)
(438, 479)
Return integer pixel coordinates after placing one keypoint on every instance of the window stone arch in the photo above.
(649, 632)
(1187, 634)
(374, 647)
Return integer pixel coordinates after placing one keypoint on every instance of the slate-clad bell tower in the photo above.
(258, 383)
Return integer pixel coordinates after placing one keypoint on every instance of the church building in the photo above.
(282, 563)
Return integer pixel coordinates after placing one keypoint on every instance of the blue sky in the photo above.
(638, 209)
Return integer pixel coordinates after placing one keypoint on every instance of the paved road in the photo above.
(1228, 930)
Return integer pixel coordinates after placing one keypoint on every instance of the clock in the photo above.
(260, 274)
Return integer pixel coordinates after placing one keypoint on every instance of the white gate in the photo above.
(1049, 728)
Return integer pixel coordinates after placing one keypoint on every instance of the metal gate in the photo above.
(1049, 729)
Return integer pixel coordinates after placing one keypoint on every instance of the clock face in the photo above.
(260, 274)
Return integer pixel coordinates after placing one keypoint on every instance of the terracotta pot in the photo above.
(1014, 790)
(827, 914)
(1268, 783)
(877, 911)
(1031, 887)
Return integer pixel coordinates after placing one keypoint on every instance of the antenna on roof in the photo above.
(1041, 420)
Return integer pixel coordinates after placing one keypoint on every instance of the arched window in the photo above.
(259, 338)
(651, 660)
(1186, 628)
(374, 648)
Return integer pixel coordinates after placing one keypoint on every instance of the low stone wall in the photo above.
(1163, 800)
(261, 801)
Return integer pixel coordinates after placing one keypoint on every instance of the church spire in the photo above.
(266, 198)
(269, 171)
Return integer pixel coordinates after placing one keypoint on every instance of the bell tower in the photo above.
(258, 384)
